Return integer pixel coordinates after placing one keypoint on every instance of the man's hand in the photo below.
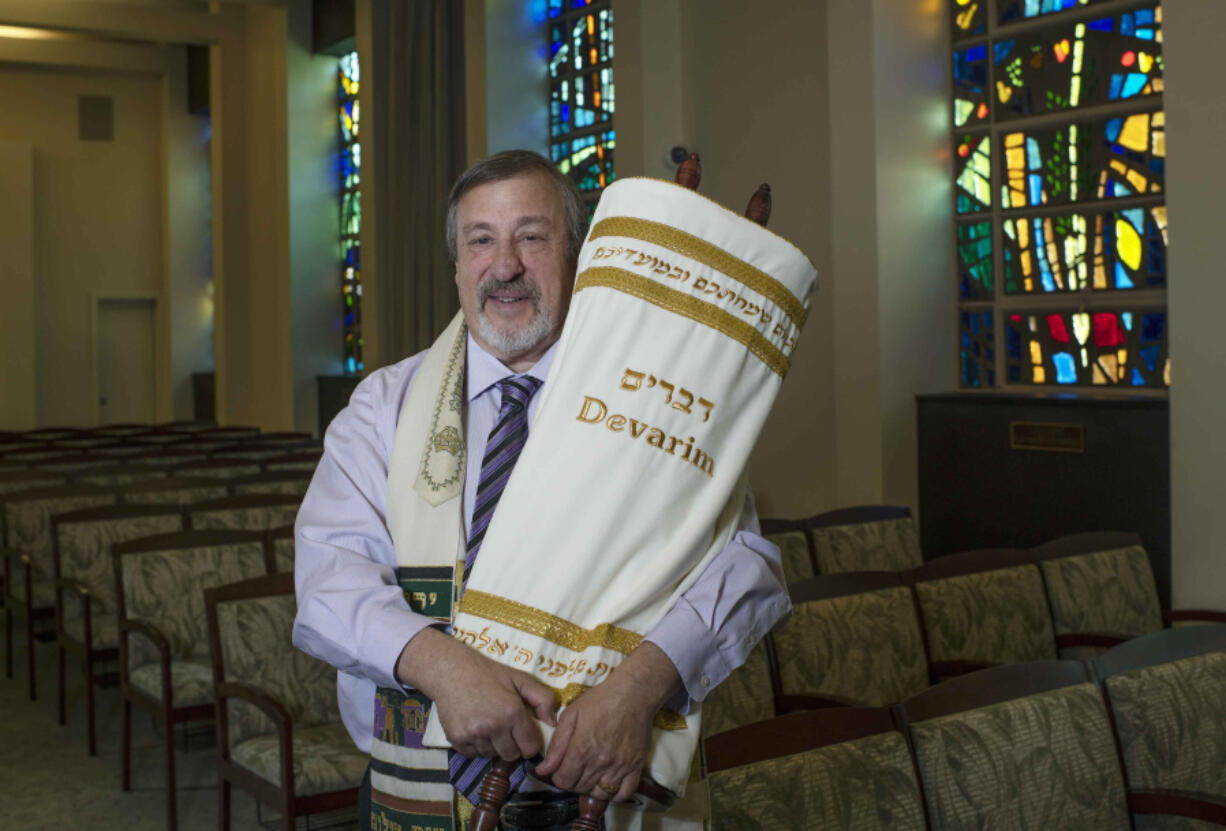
(602, 738)
(486, 708)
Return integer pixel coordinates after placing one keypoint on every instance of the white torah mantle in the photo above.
(680, 333)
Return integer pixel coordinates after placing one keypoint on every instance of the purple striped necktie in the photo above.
(501, 452)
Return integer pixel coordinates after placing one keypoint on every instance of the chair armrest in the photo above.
(1179, 803)
(261, 700)
(73, 585)
(1202, 615)
(1090, 639)
(939, 670)
(785, 704)
(140, 627)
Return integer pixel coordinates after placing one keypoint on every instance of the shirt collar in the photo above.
(484, 370)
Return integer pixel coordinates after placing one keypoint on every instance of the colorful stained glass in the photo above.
(975, 260)
(969, 17)
(1094, 348)
(1104, 159)
(349, 174)
(974, 173)
(1011, 10)
(1079, 65)
(971, 99)
(581, 91)
(1116, 250)
(977, 355)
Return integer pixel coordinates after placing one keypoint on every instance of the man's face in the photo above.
(512, 268)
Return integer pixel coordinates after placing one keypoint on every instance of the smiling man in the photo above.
(515, 226)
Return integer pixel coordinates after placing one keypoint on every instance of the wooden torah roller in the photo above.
(689, 174)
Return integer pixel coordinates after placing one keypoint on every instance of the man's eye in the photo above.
(481, 241)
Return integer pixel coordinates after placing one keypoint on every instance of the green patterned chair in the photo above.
(983, 608)
(1102, 592)
(279, 733)
(845, 769)
(118, 474)
(217, 468)
(163, 637)
(86, 621)
(852, 639)
(29, 582)
(867, 538)
(282, 540)
(12, 481)
(297, 460)
(287, 482)
(166, 456)
(74, 465)
(1026, 746)
(173, 490)
(794, 547)
(747, 695)
(1167, 693)
(252, 512)
(122, 430)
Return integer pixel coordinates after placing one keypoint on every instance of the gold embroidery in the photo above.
(440, 440)
(633, 380)
(595, 411)
(686, 306)
(688, 245)
(665, 719)
(448, 440)
(549, 627)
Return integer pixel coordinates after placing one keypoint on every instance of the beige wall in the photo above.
(1196, 180)
(18, 386)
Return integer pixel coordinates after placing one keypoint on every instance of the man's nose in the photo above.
(507, 262)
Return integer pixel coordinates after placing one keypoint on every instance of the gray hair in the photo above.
(508, 165)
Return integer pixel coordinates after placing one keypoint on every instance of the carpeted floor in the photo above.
(47, 781)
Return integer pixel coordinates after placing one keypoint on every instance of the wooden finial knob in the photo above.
(689, 173)
(759, 207)
(591, 809)
(495, 788)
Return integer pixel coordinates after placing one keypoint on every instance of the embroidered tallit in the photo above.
(679, 335)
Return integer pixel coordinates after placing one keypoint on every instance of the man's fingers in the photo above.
(557, 746)
(539, 697)
(527, 738)
(505, 747)
(630, 783)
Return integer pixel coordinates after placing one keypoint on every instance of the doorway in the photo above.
(126, 359)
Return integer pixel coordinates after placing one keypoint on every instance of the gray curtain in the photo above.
(423, 151)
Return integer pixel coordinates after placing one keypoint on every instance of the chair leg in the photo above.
(172, 801)
(30, 653)
(223, 812)
(125, 753)
(59, 686)
(90, 714)
(8, 641)
(288, 812)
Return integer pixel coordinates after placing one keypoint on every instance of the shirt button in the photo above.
(706, 681)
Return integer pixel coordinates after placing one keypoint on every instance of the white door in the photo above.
(126, 343)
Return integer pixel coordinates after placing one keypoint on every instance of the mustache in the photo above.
(519, 285)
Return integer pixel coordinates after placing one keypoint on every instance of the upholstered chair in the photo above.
(747, 695)
(26, 479)
(282, 540)
(163, 638)
(867, 538)
(253, 512)
(794, 547)
(287, 482)
(74, 465)
(173, 490)
(29, 584)
(279, 732)
(118, 474)
(217, 468)
(166, 456)
(1025, 746)
(297, 460)
(852, 639)
(824, 769)
(1167, 694)
(86, 621)
(982, 608)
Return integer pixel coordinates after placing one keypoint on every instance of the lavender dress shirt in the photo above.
(353, 615)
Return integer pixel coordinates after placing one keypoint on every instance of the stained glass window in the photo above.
(349, 171)
(1059, 184)
(581, 92)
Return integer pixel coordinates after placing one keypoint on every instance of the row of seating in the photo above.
(864, 538)
(876, 638)
(123, 554)
(1132, 738)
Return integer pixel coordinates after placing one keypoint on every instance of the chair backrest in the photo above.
(173, 490)
(248, 452)
(27, 518)
(122, 429)
(166, 456)
(846, 768)
(162, 579)
(867, 538)
(286, 482)
(74, 464)
(746, 696)
(794, 547)
(987, 607)
(1020, 746)
(217, 468)
(83, 541)
(119, 452)
(116, 474)
(1167, 693)
(53, 433)
(1099, 583)
(183, 426)
(229, 433)
(853, 638)
(39, 453)
(12, 481)
(300, 460)
(250, 625)
(282, 547)
(253, 512)
(284, 439)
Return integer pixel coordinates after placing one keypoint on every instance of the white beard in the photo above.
(516, 341)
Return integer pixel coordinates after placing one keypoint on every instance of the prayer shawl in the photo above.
(680, 331)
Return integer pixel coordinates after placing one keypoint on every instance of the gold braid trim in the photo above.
(665, 719)
(552, 628)
(696, 248)
(687, 306)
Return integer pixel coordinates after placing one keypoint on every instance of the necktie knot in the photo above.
(517, 391)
